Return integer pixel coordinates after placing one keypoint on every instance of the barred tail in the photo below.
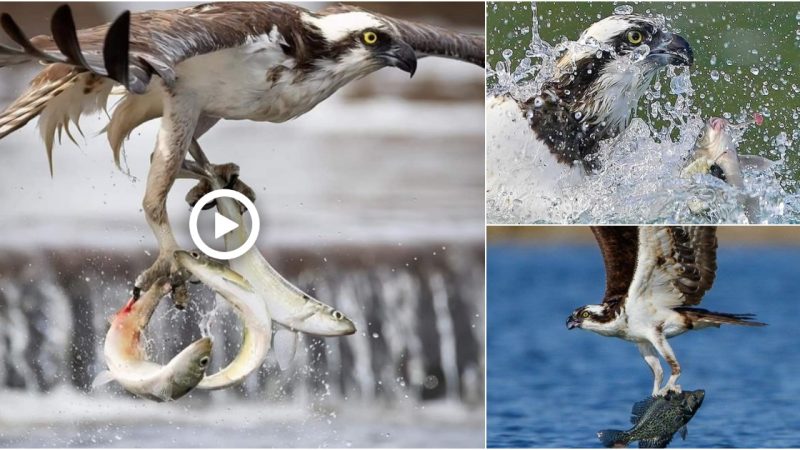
(704, 317)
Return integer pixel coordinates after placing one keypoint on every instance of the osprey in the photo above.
(540, 146)
(655, 276)
(194, 66)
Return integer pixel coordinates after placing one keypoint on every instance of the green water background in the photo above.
(741, 37)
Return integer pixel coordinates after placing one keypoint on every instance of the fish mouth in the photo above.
(717, 124)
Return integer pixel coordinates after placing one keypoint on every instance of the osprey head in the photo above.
(640, 36)
(363, 42)
(585, 316)
(598, 82)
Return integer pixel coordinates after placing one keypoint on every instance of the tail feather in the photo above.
(613, 438)
(60, 94)
(712, 318)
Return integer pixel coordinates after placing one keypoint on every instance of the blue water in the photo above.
(552, 387)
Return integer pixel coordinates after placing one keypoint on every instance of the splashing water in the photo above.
(639, 180)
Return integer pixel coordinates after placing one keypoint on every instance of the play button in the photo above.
(224, 225)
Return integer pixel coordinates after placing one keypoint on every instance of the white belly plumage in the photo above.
(523, 179)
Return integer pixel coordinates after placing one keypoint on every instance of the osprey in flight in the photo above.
(193, 66)
(655, 276)
(540, 146)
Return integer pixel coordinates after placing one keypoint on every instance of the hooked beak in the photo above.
(573, 323)
(673, 49)
(402, 56)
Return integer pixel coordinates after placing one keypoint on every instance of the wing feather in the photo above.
(676, 266)
(618, 246)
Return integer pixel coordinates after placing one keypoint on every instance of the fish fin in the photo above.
(656, 442)
(755, 162)
(639, 409)
(683, 432)
(285, 345)
(164, 393)
(613, 438)
(102, 378)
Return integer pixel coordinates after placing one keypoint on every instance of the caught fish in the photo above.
(249, 307)
(656, 420)
(127, 360)
(715, 154)
(287, 305)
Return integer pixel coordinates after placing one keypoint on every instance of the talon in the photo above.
(165, 269)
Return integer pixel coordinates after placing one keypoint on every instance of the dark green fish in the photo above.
(656, 420)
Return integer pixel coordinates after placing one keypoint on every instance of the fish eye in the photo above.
(635, 37)
(585, 314)
(337, 315)
(195, 255)
(369, 37)
(204, 361)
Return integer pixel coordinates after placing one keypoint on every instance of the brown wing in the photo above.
(430, 40)
(677, 265)
(619, 246)
(157, 41)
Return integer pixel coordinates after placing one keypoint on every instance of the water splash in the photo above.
(640, 181)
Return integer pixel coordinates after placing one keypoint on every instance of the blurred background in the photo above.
(373, 202)
(552, 387)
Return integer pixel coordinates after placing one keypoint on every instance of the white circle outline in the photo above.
(195, 215)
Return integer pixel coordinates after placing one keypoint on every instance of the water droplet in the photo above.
(623, 9)
(375, 335)
(714, 75)
(507, 53)
(754, 70)
(578, 115)
(713, 60)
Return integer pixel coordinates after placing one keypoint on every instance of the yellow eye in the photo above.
(585, 314)
(370, 38)
(635, 37)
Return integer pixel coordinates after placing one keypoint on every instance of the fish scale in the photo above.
(656, 420)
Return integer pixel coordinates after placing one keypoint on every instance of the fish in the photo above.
(293, 309)
(127, 360)
(715, 153)
(250, 308)
(656, 420)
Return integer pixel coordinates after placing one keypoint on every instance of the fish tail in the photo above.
(613, 438)
(704, 317)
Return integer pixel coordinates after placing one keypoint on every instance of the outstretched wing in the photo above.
(676, 265)
(618, 246)
(429, 40)
(155, 42)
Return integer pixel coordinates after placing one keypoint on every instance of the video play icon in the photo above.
(224, 225)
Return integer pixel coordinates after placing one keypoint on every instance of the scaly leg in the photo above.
(664, 349)
(651, 358)
(174, 137)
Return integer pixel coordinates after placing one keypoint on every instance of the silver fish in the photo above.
(250, 308)
(656, 420)
(287, 305)
(127, 360)
(715, 153)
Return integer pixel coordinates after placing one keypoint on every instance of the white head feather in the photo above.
(337, 26)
